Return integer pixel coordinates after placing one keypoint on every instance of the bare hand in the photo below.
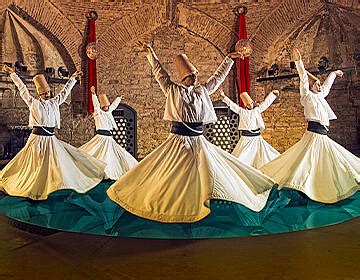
(77, 74)
(276, 92)
(143, 46)
(92, 89)
(339, 73)
(7, 69)
(296, 55)
(222, 93)
(236, 55)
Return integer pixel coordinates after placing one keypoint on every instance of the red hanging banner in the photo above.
(243, 69)
(91, 53)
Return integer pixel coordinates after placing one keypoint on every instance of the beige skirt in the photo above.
(177, 180)
(319, 167)
(105, 148)
(255, 151)
(46, 165)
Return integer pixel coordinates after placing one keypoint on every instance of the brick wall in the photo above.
(205, 31)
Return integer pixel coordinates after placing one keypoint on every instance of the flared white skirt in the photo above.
(176, 181)
(254, 151)
(318, 166)
(105, 148)
(47, 164)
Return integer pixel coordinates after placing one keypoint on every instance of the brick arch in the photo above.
(128, 28)
(285, 18)
(206, 27)
(289, 18)
(44, 16)
(346, 3)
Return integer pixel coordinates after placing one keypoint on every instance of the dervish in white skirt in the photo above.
(47, 164)
(316, 165)
(103, 146)
(176, 181)
(252, 148)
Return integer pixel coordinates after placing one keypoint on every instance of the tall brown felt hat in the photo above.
(103, 99)
(41, 84)
(246, 99)
(184, 66)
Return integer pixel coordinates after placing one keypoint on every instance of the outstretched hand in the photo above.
(143, 46)
(276, 92)
(77, 74)
(296, 55)
(339, 73)
(236, 55)
(92, 89)
(7, 69)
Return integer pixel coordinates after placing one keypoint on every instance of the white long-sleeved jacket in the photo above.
(104, 119)
(316, 107)
(189, 104)
(43, 112)
(251, 119)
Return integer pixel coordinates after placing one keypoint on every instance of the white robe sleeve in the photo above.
(267, 102)
(61, 97)
(304, 80)
(114, 104)
(161, 76)
(326, 86)
(219, 76)
(24, 92)
(232, 105)
(95, 102)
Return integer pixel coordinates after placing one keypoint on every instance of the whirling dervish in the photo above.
(176, 181)
(103, 146)
(47, 164)
(316, 165)
(252, 148)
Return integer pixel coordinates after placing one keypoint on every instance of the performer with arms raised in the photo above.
(176, 181)
(47, 164)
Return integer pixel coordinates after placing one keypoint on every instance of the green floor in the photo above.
(326, 253)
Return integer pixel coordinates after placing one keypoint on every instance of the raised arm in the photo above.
(326, 86)
(268, 100)
(219, 76)
(61, 97)
(95, 100)
(24, 92)
(115, 104)
(161, 76)
(232, 105)
(304, 80)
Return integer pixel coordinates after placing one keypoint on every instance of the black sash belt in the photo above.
(196, 129)
(104, 132)
(43, 130)
(317, 128)
(250, 133)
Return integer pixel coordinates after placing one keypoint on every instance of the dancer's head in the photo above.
(247, 100)
(187, 71)
(42, 87)
(104, 102)
(314, 83)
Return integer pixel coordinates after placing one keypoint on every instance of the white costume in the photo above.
(47, 164)
(175, 182)
(104, 147)
(253, 150)
(316, 165)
